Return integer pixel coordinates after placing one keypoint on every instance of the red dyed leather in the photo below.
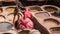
(25, 23)
(27, 13)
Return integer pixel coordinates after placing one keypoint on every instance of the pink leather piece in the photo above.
(25, 23)
(27, 13)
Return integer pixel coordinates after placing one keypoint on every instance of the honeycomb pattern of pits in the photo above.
(24, 32)
(35, 9)
(50, 9)
(10, 9)
(42, 14)
(51, 22)
(5, 26)
(6, 33)
(55, 30)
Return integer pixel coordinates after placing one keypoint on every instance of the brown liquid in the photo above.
(10, 10)
(50, 23)
(55, 30)
(42, 15)
(50, 9)
(35, 9)
(6, 33)
(0, 11)
(24, 32)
